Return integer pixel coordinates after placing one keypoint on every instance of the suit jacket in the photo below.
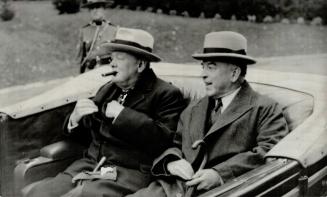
(237, 142)
(140, 133)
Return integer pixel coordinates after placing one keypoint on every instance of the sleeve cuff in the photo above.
(160, 167)
(220, 179)
(113, 121)
(71, 124)
(225, 172)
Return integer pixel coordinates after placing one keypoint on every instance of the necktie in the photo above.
(216, 111)
(122, 97)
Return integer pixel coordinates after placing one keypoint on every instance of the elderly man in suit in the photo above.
(130, 122)
(224, 134)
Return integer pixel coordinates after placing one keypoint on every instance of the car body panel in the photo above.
(303, 148)
(83, 86)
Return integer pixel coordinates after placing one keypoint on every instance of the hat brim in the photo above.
(111, 47)
(225, 56)
(98, 3)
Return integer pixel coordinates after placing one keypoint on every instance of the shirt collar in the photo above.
(227, 99)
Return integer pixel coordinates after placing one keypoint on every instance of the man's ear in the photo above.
(236, 72)
(141, 66)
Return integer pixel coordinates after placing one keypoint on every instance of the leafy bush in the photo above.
(6, 13)
(290, 9)
(322, 12)
(311, 8)
(315, 8)
(227, 8)
(241, 9)
(67, 6)
(263, 8)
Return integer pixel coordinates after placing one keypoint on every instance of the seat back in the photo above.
(24, 137)
(297, 106)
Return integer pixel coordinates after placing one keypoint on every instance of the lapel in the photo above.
(134, 98)
(239, 106)
(107, 92)
(143, 86)
(198, 119)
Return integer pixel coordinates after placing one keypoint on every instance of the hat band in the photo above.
(134, 44)
(224, 50)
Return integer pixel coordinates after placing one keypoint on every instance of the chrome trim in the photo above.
(252, 179)
(312, 180)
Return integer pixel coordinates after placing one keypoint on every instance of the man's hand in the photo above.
(83, 107)
(205, 179)
(113, 109)
(181, 168)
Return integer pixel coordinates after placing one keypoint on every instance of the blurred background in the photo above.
(38, 38)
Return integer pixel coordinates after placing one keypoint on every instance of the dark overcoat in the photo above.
(237, 142)
(139, 134)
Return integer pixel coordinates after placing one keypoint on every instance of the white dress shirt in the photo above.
(227, 99)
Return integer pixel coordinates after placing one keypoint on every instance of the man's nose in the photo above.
(113, 64)
(204, 74)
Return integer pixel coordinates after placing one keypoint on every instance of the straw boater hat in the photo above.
(135, 41)
(97, 3)
(225, 46)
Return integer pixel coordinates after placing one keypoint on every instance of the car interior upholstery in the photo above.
(22, 139)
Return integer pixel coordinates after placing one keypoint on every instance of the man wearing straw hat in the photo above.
(224, 134)
(94, 33)
(131, 121)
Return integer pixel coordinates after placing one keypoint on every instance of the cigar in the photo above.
(109, 73)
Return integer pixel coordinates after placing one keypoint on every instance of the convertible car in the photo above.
(33, 147)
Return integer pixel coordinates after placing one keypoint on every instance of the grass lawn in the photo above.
(39, 44)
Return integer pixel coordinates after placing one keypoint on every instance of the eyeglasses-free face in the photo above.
(127, 67)
(97, 13)
(217, 77)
